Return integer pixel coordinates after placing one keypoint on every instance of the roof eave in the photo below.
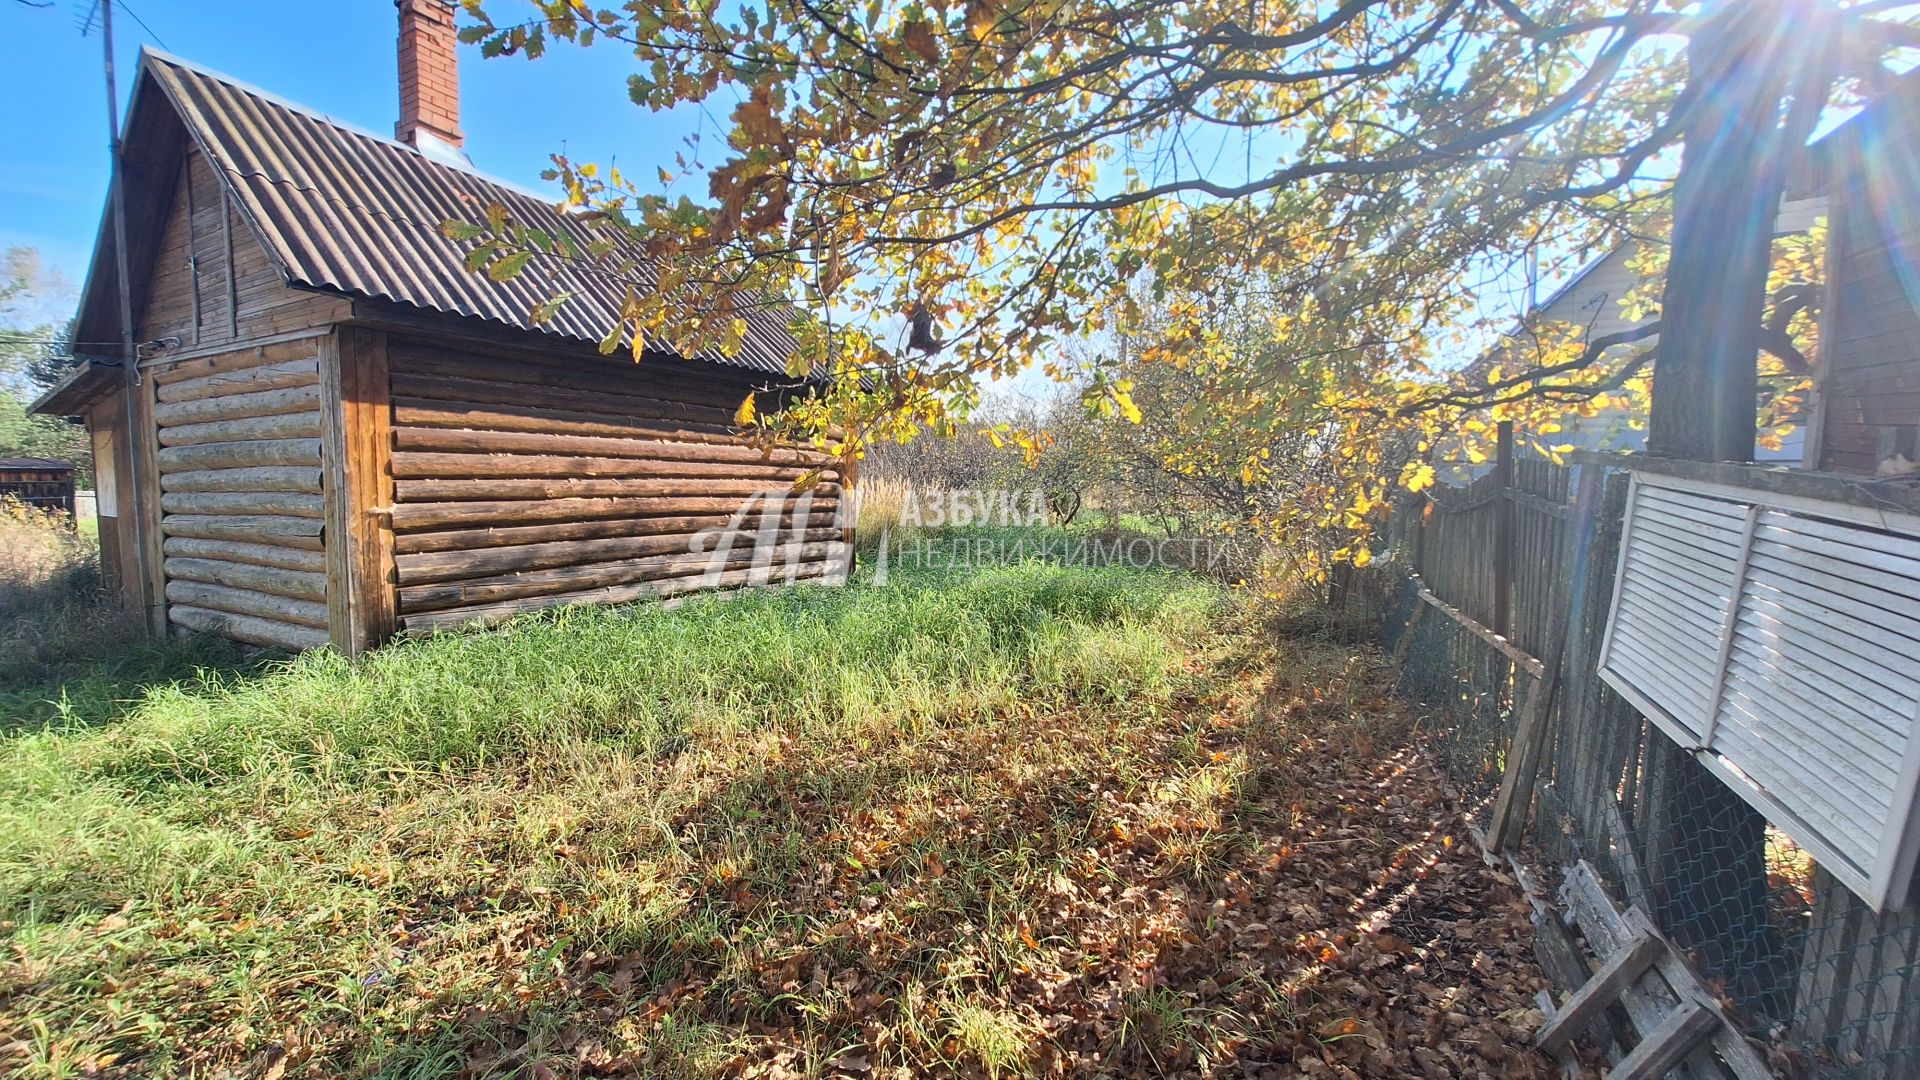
(83, 386)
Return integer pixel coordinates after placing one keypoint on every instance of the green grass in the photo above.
(382, 866)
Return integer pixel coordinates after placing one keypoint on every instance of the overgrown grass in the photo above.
(70, 651)
(347, 859)
(1015, 821)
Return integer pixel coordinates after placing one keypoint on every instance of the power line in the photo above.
(142, 23)
(88, 16)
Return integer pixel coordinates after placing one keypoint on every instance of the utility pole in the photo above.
(129, 353)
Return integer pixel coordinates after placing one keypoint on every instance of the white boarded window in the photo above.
(106, 479)
(1780, 636)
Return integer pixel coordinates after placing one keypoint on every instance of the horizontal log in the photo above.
(412, 412)
(247, 628)
(303, 533)
(234, 406)
(486, 391)
(498, 561)
(298, 584)
(460, 490)
(531, 442)
(300, 425)
(303, 372)
(670, 381)
(660, 589)
(420, 517)
(413, 543)
(238, 455)
(289, 503)
(598, 575)
(240, 552)
(271, 478)
(251, 356)
(413, 465)
(247, 602)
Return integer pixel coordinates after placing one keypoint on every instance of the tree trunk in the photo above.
(1706, 848)
(1705, 384)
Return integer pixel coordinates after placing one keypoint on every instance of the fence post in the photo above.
(1503, 532)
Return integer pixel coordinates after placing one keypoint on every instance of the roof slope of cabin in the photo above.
(345, 211)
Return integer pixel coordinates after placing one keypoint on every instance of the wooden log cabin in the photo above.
(334, 431)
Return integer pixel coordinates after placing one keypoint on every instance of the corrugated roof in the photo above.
(344, 210)
(42, 464)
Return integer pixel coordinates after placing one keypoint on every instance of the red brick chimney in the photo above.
(429, 75)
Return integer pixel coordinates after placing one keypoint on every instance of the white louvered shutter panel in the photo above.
(1680, 555)
(1782, 636)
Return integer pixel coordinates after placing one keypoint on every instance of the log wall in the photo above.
(242, 488)
(520, 485)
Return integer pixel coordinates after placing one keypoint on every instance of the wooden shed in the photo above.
(334, 431)
(39, 482)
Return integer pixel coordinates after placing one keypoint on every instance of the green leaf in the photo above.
(509, 267)
(462, 231)
(545, 310)
(478, 257)
(612, 340)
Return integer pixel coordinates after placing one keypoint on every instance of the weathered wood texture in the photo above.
(359, 437)
(520, 484)
(1869, 389)
(190, 293)
(240, 466)
(115, 497)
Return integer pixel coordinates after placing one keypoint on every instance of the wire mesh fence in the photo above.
(1828, 985)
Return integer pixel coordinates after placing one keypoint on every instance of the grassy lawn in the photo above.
(1023, 821)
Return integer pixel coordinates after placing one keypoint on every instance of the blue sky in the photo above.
(336, 56)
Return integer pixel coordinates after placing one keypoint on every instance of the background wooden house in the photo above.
(38, 482)
(335, 430)
(1867, 415)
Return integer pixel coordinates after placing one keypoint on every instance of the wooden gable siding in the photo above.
(1593, 302)
(1870, 379)
(521, 484)
(190, 299)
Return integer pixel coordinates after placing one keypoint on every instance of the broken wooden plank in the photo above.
(1569, 1063)
(1598, 993)
(1607, 928)
(1684, 1029)
(1647, 1003)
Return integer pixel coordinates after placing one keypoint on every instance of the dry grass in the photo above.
(882, 504)
(52, 599)
(69, 649)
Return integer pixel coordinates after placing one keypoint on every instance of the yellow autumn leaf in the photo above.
(743, 416)
(1417, 476)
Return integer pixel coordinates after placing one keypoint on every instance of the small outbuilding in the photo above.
(38, 482)
(333, 431)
